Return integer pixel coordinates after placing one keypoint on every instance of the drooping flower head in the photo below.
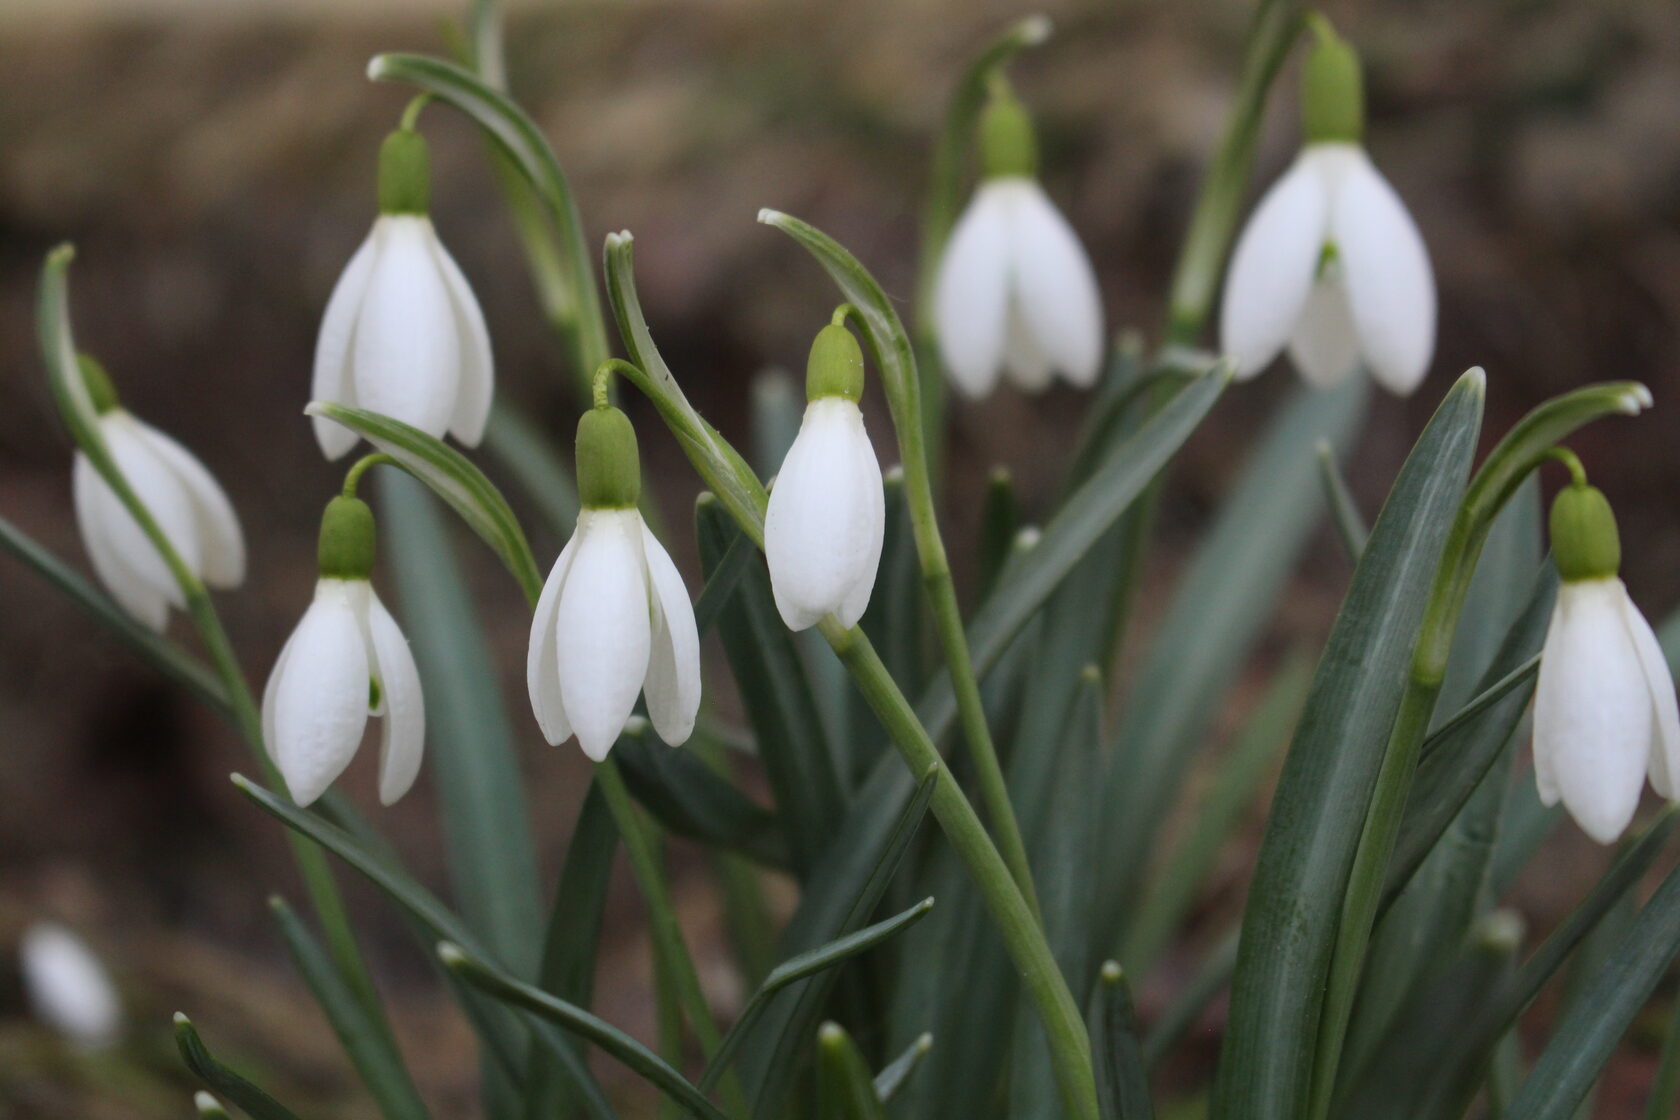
(1605, 714)
(1015, 292)
(68, 987)
(403, 334)
(347, 660)
(614, 619)
(186, 502)
(827, 515)
(1331, 265)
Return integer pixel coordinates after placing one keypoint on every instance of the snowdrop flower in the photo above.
(827, 515)
(1015, 291)
(68, 988)
(186, 502)
(1331, 265)
(347, 660)
(402, 334)
(1605, 714)
(614, 618)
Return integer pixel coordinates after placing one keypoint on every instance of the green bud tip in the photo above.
(347, 540)
(1007, 144)
(100, 390)
(405, 178)
(609, 475)
(835, 367)
(1332, 88)
(1585, 544)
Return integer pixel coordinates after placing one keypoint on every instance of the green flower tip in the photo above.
(405, 177)
(1008, 147)
(346, 550)
(1332, 88)
(835, 367)
(1112, 973)
(1585, 544)
(831, 1035)
(609, 474)
(100, 389)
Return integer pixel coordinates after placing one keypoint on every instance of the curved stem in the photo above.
(411, 112)
(353, 477)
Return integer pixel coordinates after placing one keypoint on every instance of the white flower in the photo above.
(403, 336)
(67, 986)
(187, 503)
(1332, 266)
(1604, 709)
(827, 517)
(614, 620)
(346, 660)
(1016, 293)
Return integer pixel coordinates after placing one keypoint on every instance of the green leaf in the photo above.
(1122, 1079)
(691, 799)
(245, 1095)
(1665, 1086)
(845, 1089)
(369, 1046)
(1344, 509)
(896, 1073)
(725, 577)
(894, 621)
(451, 477)
(1318, 813)
(1000, 520)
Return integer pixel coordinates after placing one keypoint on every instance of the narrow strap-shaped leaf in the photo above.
(371, 1050)
(845, 1088)
(1318, 814)
(691, 799)
(895, 622)
(452, 477)
(896, 1073)
(1000, 520)
(1122, 1079)
(725, 577)
(245, 1095)
(1345, 514)
(645, 1063)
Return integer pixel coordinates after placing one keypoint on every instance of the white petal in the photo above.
(672, 687)
(320, 694)
(405, 358)
(1545, 780)
(602, 633)
(1385, 269)
(971, 295)
(1324, 347)
(331, 380)
(1592, 709)
(868, 481)
(1025, 365)
(403, 736)
(217, 525)
(1665, 712)
(1055, 286)
(68, 987)
(93, 501)
(542, 667)
(164, 498)
(1273, 267)
(477, 384)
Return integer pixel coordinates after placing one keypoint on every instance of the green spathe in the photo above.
(346, 550)
(835, 367)
(101, 392)
(1332, 89)
(405, 176)
(608, 472)
(1585, 543)
(1008, 147)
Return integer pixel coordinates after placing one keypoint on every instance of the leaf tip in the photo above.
(770, 217)
(617, 240)
(831, 1035)
(1091, 674)
(376, 67)
(1474, 381)
(1112, 973)
(924, 1042)
(1034, 30)
(61, 254)
(1637, 398)
(451, 954)
(180, 1020)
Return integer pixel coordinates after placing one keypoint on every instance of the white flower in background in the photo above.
(1331, 265)
(1605, 714)
(182, 497)
(1015, 291)
(614, 618)
(68, 988)
(403, 334)
(347, 660)
(827, 515)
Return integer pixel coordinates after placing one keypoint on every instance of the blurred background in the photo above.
(213, 161)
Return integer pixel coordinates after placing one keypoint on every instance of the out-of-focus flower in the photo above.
(68, 987)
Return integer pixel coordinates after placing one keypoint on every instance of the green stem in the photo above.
(353, 477)
(411, 112)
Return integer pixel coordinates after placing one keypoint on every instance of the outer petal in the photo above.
(403, 736)
(818, 536)
(68, 987)
(331, 381)
(672, 687)
(162, 495)
(1273, 267)
(1385, 268)
(542, 666)
(1592, 709)
(218, 532)
(1545, 776)
(472, 397)
(1665, 713)
(405, 357)
(1055, 286)
(93, 501)
(1324, 346)
(320, 694)
(869, 483)
(601, 628)
(971, 295)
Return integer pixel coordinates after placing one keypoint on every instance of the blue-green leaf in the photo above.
(845, 1088)
(244, 1094)
(1122, 1079)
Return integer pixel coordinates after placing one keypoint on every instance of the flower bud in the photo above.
(835, 367)
(1008, 147)
(1332, 89)
(609, 474)
(405, 177)
(346, 548)
(1585, 544)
